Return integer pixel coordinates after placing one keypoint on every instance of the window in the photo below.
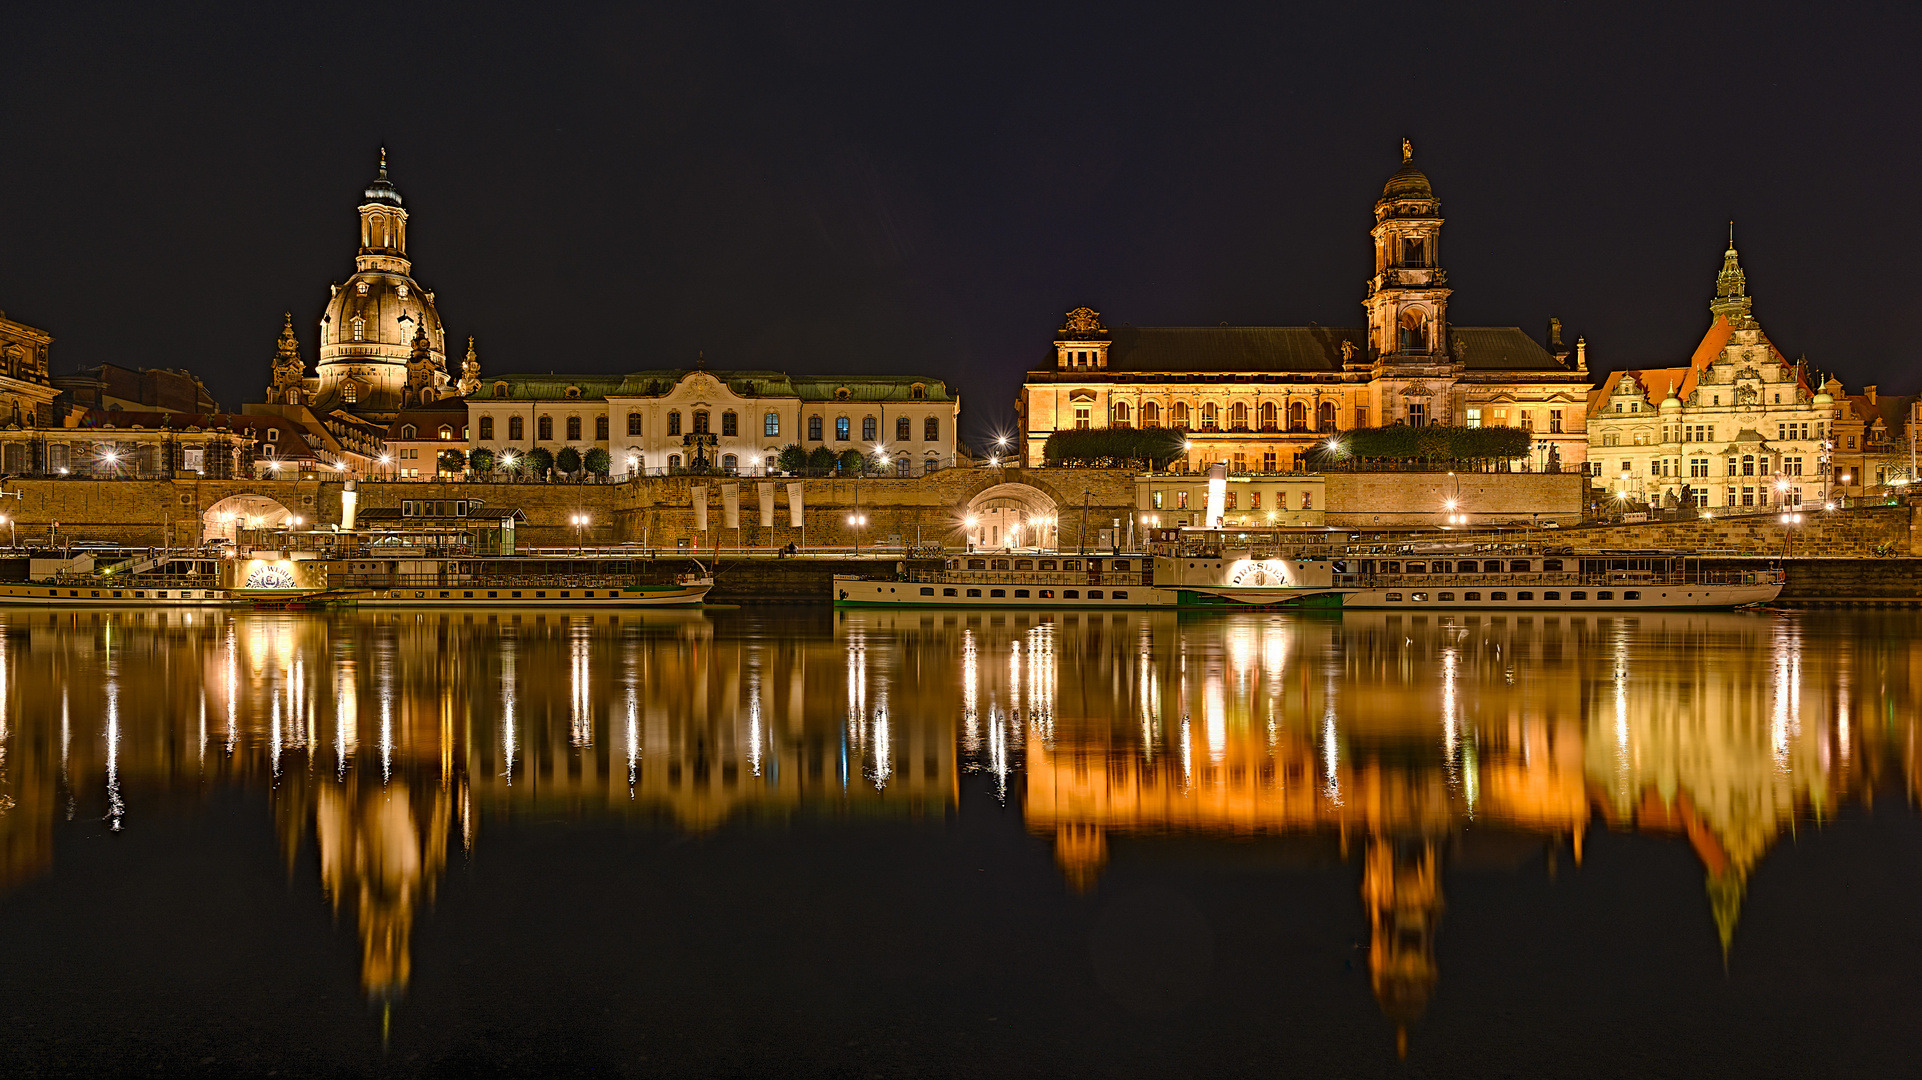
(573, 429)
(1325, 416)
(1094, 594)
(1498, 596)
(1240, 464)
(1413, 252)
(1154, 500)
(1181, 500)
(730, 462)
(360, 324)
(674, 422)
(1268, 461)
(446, 432)
(516, 429)
(600, 428)
(869, 429)
(700, 422)
(1474, 418)
(1297, 416)
(1524, 596)
(903, 429)
(1417, 414)
(974, 592)
(730, 424)
(1081, 419)
(350, 393)
(931, 429)
(1071, 594)
(1254, 500)
(1178, 415)
(1748, 465)
(1208, 417)
(1471, 596)
(544, 429)
(814, 428)
(1528, 420)
(1268, 416)
(1394, 598)
(1021, 594)
(1361, 416)
(1231, 500)
(500, 390)
(1554, 421)
(1307, 500)
(1238, 416)
(1150, 414)
(771, 425)
(998, 592)
(1698, 467)
(842, 428)
(673, 461)
(1120, 594)
(1120, 415)
(948, 592)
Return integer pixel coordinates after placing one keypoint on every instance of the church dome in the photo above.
(388, 307)
(1822, 398)
(1408, 183)
(1671, 401)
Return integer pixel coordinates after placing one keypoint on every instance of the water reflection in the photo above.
(386, 742)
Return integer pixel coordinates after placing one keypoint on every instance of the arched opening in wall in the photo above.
(1012, 516)
(225, 519)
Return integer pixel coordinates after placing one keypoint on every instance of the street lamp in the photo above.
(857, 522)
(579, 521)
(632, 461)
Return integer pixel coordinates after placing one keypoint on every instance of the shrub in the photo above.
(568, 461)
(536, 462)
(1434, 442)
(453, 461)
(821, 460)
(852, 461)
(1154, 447)
(598, 461)
(792, 458)
(481, 461)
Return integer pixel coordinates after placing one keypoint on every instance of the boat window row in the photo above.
(1524, 594)
(1453, 566)
(1035, 594)
(1039, 564)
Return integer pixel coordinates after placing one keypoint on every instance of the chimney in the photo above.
(1869, 392)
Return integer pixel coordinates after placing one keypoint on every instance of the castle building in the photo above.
(1260, 397)
(1740, 426)
(726, 421)
(26, 396)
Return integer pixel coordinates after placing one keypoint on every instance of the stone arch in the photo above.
(223, 519)
(1011, 514)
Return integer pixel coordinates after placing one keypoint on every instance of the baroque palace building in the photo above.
(727, 421)
(1741, 426)
(1259, 397)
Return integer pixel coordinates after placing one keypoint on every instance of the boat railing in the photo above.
(450, 580)
(1032, 577)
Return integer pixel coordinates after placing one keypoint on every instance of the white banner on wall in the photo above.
(700, 507)
(731, 505)
(766, 492)
(794, 509)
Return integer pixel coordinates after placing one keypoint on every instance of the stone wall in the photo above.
(1400, 500)
(658, 510)
(1853, 533)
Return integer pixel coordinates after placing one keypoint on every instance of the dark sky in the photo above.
(908, 187)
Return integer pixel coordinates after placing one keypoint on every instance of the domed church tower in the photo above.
(368, 335)
(1407, 301)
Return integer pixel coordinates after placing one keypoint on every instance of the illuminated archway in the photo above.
(224, 519)
(1012, 515)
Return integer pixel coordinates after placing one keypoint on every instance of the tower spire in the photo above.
(1731, 286)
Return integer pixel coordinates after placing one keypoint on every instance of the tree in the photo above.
(1114, 447)
(792, 458)
(598, 462)
(852, 461)
(1434, 442)
(821, 461)
(481, 461)
(453, 461)
(536, 462)
(568, 461)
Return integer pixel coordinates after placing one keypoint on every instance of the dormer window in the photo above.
(361, 288)
(350, 393)
(273, 435)
(573, 391)
(400, 291)
(917, 392)
(446, 432)
(407, 431)
(500, 389)
(841, 393)
(360, 326)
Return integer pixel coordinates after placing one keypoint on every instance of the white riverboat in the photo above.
(1015, 580)
(1456, 577)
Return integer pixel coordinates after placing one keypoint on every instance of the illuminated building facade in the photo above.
(1260, 397)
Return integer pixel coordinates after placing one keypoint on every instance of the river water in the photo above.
(895, 843)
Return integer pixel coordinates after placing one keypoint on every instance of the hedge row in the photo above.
(1434, 442)
(1114, 446)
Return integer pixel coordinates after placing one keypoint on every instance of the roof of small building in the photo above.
(1891, 409)
(291, 443)
(742, 382)
(1263, 349)
(429, 418)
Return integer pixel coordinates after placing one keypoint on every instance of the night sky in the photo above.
(894, 187)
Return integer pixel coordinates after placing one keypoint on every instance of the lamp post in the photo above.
(969, 523)
(579, 521)
(857, 522)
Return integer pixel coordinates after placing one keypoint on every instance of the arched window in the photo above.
(771, 425)
(1178, 415)
(869, 429)
(600, 428)
(633, 423)
(1120, 414)
(1150, 414)
(516, 430)
(1748, 465)
(730, 424)
(350, 393)
(1238, 415)
(730, 462)
(842, 428)
(814, 428)
(1267, 416)
(1209, 416)
(1325, 418)
(544, 429)
(1414, 331)
(700, 421)
(407, 431)
(1297, 416)
(573, 429)
(674, 422)
(673, 461)
(1414, 252)
(931, 429)
(446, 432)
(500, 389)
(901, 465)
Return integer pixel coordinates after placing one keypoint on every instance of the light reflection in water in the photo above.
(1714, 731)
